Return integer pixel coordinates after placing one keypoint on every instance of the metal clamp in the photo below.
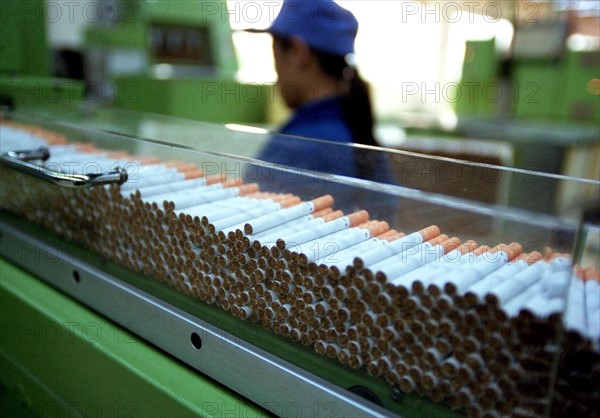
(19, 160)
(41, 153)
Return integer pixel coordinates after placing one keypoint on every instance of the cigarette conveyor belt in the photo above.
(376, 317)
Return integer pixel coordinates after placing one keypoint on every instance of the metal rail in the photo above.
(19, 160)
(278, 386)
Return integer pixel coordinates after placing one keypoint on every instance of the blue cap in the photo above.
(322, 24)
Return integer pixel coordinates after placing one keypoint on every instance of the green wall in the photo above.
(23, 47)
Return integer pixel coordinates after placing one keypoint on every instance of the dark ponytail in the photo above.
(358, 110)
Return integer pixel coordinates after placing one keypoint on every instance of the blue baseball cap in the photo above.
(323, 24)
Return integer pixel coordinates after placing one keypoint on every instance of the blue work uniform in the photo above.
(320, 119)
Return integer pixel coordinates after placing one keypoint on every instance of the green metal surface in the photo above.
(126, 35)
(476, 93)
(560, 89)
(12, 406)
(215, 100)
(23, 47)
(213, 14)
(582, 93)
(210, 95)
(42, 91)
(61, 359)
(11, 44)
(408, 405)
(136, 19)
(539, 87)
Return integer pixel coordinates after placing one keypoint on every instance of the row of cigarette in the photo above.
(318, 234)
(424, 259)
(427, 312)
(85, 158)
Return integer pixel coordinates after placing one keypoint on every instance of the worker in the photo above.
(312, 41)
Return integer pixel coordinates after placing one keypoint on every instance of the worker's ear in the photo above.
(301, 51)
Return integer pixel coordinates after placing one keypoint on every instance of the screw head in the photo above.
(396, 394)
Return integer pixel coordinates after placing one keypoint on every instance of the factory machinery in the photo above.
(309, 294)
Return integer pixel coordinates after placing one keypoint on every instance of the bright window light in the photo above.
(407, 50)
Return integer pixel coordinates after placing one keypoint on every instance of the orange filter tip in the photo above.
(468, 247)
(450, 244)
(333, 215)
(430, 232)
(530, 258)
(358, 218)
(147, 160)
(231, 183)
(322, 212)
(592, 273)
(290, 201)
(378, 228)
(322, 202)
(215, 178)
(480, 250)
(248, 188)
(516, 250)
(579, 272)
(391, 235)
(439, 239)
(193, 174)
(83, 147)
(118, 155)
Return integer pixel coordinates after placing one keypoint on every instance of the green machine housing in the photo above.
(190, 63)
(25, 59)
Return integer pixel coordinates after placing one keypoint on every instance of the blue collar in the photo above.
(320, 107)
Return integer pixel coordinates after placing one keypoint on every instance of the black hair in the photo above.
(358, 110)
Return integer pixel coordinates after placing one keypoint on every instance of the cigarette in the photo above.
(459, 399)
(224, 208)
(480, 285)
(543, 305)
(189, 200)
(433, 356)
(509, 289)
(271, 235)
(396, 247)
(344, 258)
(259, 208)
(16, 136)
(591, 274)
(317, 225)
(560, 262)
(325, 228)
(266, 222)
(426, 274)
(164, 188)
(481, 270)
(484, 265)
(576, 314)
(160, 175)
(592, 303)
(408, 260)
(407, 385)
(441, 340)
(330, 244)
